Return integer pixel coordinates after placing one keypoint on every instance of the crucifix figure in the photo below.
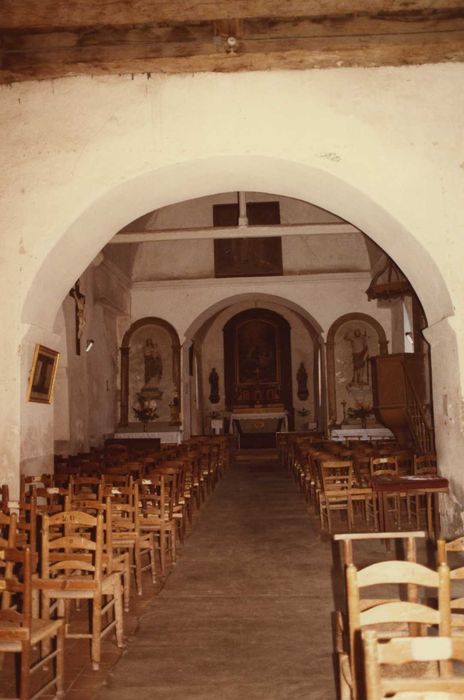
(79, 305)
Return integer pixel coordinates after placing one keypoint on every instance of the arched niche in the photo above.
(203, 349)
(150, 364)
(351, 340)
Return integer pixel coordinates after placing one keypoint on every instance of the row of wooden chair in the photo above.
(95, 530)
(337, 479)
(368, 633)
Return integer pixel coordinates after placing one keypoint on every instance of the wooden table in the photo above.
(414, 485)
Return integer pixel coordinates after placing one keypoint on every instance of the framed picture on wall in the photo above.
(43, 373)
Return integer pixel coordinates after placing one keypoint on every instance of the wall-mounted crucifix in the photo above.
(79, 307)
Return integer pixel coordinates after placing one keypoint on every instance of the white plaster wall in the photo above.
(382, 148)
(189, 259)
(324, 297)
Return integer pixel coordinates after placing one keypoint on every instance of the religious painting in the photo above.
(351, 343)
(248, 257)
(43, 373)
(257, 352)
(257, 361)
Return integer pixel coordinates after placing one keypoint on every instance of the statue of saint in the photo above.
(153, 363)
(302, 380)
(214, 386)
(359, 351)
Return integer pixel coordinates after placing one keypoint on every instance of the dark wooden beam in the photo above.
(246, 30)
(197, 56)
(22, 14)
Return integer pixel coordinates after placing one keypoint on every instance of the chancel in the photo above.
(232, 326)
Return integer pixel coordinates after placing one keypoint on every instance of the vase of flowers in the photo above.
(362, 413)
(145, 410)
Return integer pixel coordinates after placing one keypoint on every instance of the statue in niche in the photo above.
(359, 351)
(153, 365)
(302, 380)
(174, 407)
(214, 386)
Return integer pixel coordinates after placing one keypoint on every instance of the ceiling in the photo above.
(42, 39)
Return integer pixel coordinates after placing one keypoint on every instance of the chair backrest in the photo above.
(16, 580)
(408, 540)
(456, 574)
(154, 497)
(72, 541)
(362, 612)
(8, 531)
(84, 486)
(336, 476)
(425, 464)
(385, 613)
(4, 498)
(26, 524)
(387, 464)
(414, 651)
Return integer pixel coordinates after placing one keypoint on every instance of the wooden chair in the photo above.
(124, 521)
(421, 504)
(386, 465)
(456, 575)
(413, 651)
(4, 498)
(20, 633)
(113, 560)
(73, 569)
(84, 487)
(175, 472)
(336, 482)
(157, 516)
(8, 531)
(408, 540)
(392, 616)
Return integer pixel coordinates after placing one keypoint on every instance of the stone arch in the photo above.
(125, 359)
(330, 353)
(74, 249)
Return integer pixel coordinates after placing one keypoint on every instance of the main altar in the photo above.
(257, 428)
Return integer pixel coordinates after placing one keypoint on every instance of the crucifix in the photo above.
(79, 307)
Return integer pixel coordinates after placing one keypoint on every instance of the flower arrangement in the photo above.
(145, 409)
(361, 413)
(303, 411)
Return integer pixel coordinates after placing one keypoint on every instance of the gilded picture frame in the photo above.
(43, 374)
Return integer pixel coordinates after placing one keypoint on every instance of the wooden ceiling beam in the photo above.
(252, 55)
(263, 30)
(36, 14)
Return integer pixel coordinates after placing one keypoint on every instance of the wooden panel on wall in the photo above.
(248, 257)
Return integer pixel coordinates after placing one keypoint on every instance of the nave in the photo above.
(246, 612)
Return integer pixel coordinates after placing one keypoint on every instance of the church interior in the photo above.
(233, 315)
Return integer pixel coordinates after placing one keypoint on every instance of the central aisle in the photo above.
(246, 613)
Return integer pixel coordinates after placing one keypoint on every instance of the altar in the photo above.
(354, 433)
(167, 434)
(257, 428)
